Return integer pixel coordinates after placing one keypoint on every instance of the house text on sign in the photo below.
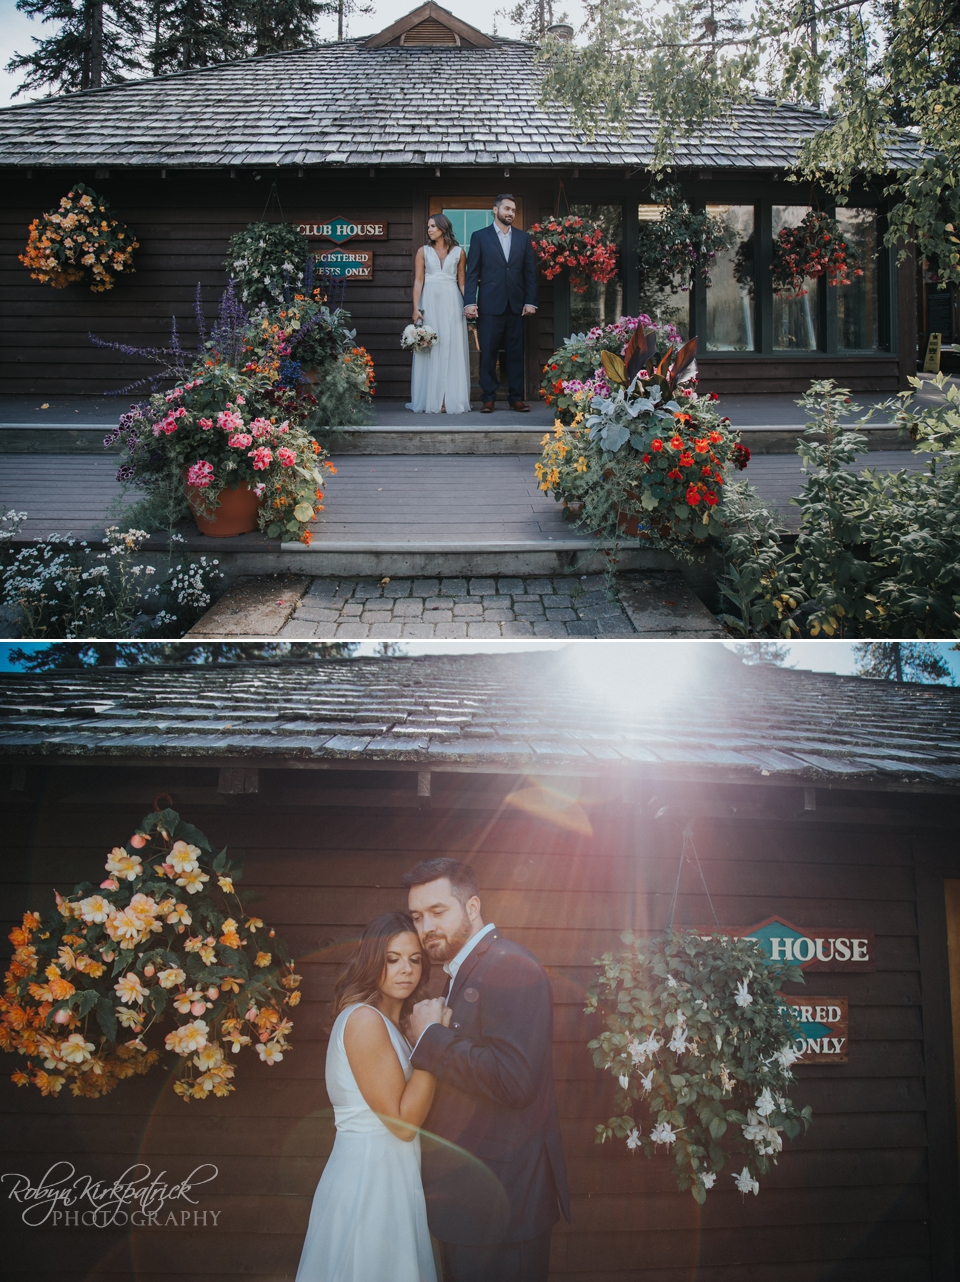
(814, 948)
(354, 264)
(343, 229)
(824, 1028)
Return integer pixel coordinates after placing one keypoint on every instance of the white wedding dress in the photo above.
(368, 1222)
(442, 375)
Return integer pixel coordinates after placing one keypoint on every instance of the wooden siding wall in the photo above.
(849, 1202)
(183, 224)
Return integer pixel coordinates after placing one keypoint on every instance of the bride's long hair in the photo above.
(359, 980)
(445, 228)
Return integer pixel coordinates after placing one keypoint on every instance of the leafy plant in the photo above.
(267, 262)
(756, 581)
(119, 957)
(701, 1043)
(680, 246)
(79, 241)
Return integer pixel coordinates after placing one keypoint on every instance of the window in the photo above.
(796, 321)
(731, 298)
(663, 305)
(858, 304)
(601, 304)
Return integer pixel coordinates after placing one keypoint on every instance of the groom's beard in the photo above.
(443, 946)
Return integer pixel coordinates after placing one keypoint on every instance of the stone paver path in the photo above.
(352, 609)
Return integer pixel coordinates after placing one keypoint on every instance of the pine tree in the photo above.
(183, 34)
(762, 652)
(66, 655)
(902, 661)
(531, 17)
(95, 44)
(273, 26)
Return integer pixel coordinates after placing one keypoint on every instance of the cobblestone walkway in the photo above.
(354, 609)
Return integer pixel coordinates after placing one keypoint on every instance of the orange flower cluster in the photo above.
(79, 240)
(364, 358)
(170, 947)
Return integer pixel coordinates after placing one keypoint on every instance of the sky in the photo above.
(16, 29)
(813, 656)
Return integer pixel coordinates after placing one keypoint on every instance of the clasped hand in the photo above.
(433, 1010)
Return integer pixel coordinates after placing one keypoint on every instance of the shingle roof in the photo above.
(347, 104)
(703, 715)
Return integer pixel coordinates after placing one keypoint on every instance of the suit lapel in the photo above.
(470, 963)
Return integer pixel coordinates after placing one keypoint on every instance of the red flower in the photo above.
(686, 460)
(712, 499)
(676, 442)
(693, 495)
(656, 445)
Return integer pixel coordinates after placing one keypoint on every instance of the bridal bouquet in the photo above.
(419, 337)
(165, 940)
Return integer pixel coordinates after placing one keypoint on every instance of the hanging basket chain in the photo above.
(688, 844)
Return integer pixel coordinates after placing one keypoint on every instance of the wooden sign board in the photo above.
(343, 229)
(352, 264)
(824, 1028)
(932, 363)
(814, 948)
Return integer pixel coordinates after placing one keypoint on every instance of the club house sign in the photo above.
(343, 229)
(814, 948)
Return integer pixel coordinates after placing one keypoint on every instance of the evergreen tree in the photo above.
(66, 655)
(183, 34)
(273, 26)
(902, 661)
(95, 43)
(762, 652)
(531, 17)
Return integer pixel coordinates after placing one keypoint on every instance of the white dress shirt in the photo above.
(452, 967)
(505, 239)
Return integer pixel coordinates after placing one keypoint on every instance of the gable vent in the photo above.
(430, 32)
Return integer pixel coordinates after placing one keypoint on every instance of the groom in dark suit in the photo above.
(493, 1169)
(501, 265)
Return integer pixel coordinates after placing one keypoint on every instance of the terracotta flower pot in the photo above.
(237, 513)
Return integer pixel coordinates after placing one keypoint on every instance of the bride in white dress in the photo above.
(441, 376)
(368, 1222)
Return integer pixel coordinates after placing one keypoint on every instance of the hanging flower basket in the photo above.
(816, 247)
(679, 246)
(90, 989)
(579, 244)
(79, 241)
(702, 1045)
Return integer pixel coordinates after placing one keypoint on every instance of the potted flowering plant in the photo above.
(702, 1046)
(241, 468)
(267, 262)
(680, 245)
(575, 373)
(816, 247)
(648, 458)
(90, 988)
(79, 241)
(580, 244)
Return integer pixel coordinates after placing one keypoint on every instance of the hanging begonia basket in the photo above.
(701, 1043)
(154, 945)
(79, 241)
(580, 245)
(815, 247)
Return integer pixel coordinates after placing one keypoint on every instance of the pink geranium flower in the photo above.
(262, 457)
(201, 474)
(240, 440)
(286, 456)
(206, 424)
(229, 421)
(261, 427)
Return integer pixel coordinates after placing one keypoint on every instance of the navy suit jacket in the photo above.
(492, 1157)
(504, 285)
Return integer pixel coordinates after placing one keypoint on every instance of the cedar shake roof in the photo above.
(690, 711)
(360, 103)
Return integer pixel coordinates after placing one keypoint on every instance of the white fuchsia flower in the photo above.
(744, 997)
(787, 1056)
(639, 1051)
(129, 989)
(633, 1140)
(765, 1103)
(624, 1080)
(663, 1133)
(708, 1179)
(647, 1081)
(766, 1138)
(746, 1183)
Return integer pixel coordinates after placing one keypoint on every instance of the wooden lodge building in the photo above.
(829, 803)
(379, 132)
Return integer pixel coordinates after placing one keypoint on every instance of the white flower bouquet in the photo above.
(419, 337)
